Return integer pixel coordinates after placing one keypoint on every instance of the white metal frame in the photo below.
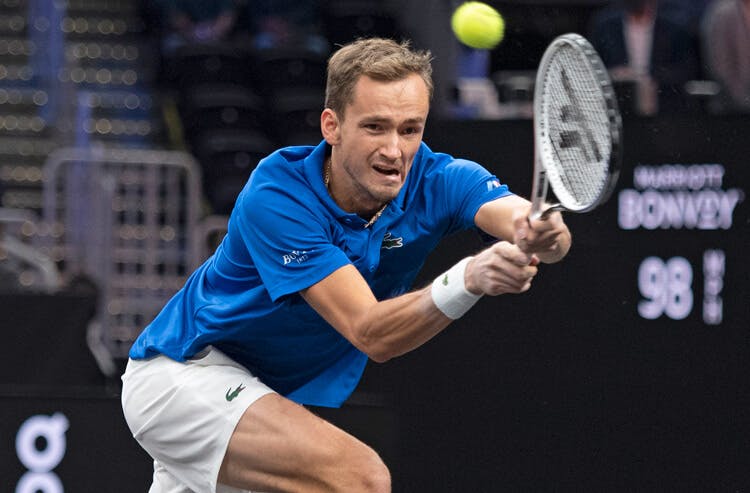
(127, 220)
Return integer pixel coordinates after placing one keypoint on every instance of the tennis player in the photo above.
(313, 279)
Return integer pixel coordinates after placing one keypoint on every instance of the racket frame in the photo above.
(541, 181)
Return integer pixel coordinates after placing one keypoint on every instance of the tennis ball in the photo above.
(478, 25)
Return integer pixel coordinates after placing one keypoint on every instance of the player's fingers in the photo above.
(521, 226)
(541, 241)
(516, 280)
(532, 235)
(543, 235)
(513, 253)
(504, 268)
(546, 222)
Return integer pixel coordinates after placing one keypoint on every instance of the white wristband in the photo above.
(449, 291)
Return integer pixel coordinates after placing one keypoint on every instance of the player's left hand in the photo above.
(548, 236)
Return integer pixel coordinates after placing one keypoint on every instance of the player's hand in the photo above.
(501, 268)
(548, 236)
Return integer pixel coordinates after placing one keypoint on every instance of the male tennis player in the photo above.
(312, 280)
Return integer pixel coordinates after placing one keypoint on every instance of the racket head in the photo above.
(577, 127)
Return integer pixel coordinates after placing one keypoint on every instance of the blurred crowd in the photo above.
(261, 23)
(665, 54)
(726, 36)
(249, 75)
(666, 47)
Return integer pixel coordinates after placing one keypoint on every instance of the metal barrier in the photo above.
(125, 218)
(20, 223)
(25, 267)
(209, 234)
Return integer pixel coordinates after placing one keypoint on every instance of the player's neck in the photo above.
(371, 215)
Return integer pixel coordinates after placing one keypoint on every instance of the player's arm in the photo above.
(389, 328)
(507, 217)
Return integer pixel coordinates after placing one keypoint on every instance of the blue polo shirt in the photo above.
(285, 234)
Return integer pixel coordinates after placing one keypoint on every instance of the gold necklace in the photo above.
(327, 180)
(327, 172)
(376, 216)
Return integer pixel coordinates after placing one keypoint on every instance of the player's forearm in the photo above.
(389, 328)
(393, 327)
(396, 326)
(380, 329)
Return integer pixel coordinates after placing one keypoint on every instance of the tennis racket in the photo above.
(577, 129)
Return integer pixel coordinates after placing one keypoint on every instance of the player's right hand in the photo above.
(501, 268)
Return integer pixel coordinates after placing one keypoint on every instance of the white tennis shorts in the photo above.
(183, 415)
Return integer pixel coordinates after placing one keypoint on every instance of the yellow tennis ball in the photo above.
(478, 25)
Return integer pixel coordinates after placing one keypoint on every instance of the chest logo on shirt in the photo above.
(295, 256)
(390, 242)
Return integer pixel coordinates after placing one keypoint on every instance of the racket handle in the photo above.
(538, 192)
(543, 214)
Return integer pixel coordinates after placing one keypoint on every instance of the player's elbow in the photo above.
(380, 356)
(365, 334)
(377, 351)
(374, 347)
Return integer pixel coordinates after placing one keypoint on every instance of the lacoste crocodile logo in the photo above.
(231, 394)
(390, 242)
(445, 280)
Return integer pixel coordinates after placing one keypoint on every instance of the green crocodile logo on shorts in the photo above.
(231, 394)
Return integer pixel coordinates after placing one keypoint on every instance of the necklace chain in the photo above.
(327, 181)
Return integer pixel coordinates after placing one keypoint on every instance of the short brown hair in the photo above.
(378, 58)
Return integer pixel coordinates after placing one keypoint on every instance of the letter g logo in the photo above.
(40, 462)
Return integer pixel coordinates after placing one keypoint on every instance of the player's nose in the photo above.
(390, 148)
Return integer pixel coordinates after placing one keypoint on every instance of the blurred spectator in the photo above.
(642, 43)
(726, 44)
(688, 12)
(198, 21)
(428, 25)
(278, 23)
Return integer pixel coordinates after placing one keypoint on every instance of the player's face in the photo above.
(377, 139)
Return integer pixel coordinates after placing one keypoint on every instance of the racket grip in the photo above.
(543, 213)
(538, 192)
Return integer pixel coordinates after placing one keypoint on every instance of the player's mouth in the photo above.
(389, 173)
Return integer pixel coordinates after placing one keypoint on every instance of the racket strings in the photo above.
(579, 128)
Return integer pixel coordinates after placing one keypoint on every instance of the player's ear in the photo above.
(330, 126)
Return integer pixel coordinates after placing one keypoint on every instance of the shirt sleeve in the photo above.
(466, 186)
(289, 239)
